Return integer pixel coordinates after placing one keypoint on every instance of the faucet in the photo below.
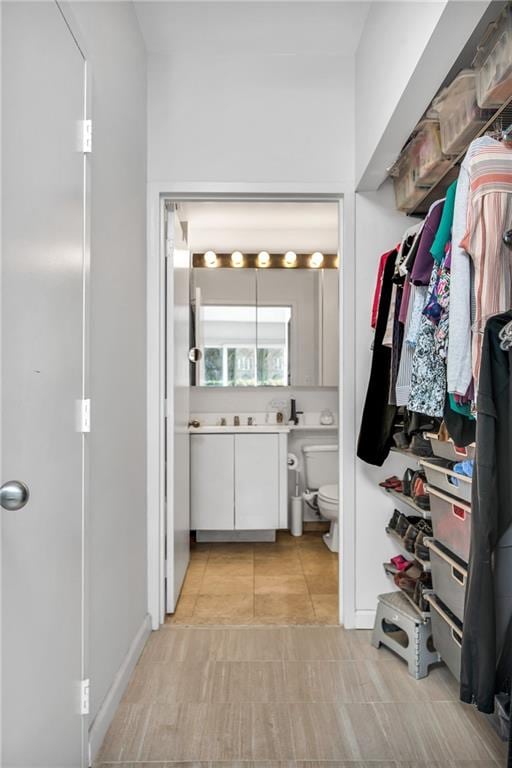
(293, 411)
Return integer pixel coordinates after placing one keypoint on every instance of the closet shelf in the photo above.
(424, 615)
(425, 564)
(409, 502)
(407, 452)
(437, 190)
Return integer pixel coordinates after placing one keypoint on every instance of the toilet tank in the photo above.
(321, 465)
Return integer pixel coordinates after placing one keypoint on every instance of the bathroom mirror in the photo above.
(258, 327)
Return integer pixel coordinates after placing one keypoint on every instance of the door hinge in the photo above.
(85, 689)
(86, 136)
(85, 415)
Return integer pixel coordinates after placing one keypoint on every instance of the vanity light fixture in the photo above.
(317, 259)
(263, 259)
(237, 259)
(210, 259)
(290, 259)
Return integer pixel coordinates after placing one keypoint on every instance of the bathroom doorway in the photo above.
(251, 477)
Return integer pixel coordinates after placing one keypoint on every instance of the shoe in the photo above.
(423, 502)
(404, 523)
(421, 446)
(407, 481)
(391, 482)
(394, 519)
(420, 548)
(400, 563)
(410, 537)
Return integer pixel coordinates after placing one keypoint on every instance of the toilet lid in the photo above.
(328, 492)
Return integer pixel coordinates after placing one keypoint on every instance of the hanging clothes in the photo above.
(428, 375)
(421, 270)
(489, 215)
(375, 434)
(378, 287)
(491, 516)
(459, 364)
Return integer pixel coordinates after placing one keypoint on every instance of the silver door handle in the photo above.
(14, 495)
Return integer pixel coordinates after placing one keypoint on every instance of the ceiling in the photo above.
(255, 226)
(252, 27)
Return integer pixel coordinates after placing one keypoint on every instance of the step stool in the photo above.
(395, 609)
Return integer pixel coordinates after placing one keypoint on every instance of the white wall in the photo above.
(116, 504)
(378, 229)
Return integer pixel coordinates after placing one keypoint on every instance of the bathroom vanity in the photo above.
(239, 479)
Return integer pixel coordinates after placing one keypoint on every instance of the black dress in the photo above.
(375, 435)
(491, 516)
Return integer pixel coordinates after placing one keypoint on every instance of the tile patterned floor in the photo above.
(290, 697)
(293, 581)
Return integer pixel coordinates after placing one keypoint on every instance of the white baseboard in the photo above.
(106, 712)
(364, 619)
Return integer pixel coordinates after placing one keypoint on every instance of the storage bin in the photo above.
(449, 576)
(407, 194)
(429, 163)
(446, 449)
(493, 63)
(451, 523)
(460, 117)
(446, 480)
(447, 634)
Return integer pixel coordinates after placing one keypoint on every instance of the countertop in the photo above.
(262, 428)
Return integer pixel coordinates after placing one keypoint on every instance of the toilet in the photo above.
(321, 465)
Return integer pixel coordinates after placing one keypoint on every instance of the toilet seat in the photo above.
(328, 493)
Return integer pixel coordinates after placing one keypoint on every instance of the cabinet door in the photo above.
(256, 482)
(212, 482)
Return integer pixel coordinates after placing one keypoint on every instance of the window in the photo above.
(245, 346)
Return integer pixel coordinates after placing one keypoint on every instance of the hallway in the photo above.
(290, 695)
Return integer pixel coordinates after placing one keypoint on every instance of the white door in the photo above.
(178, 409)
(256, 482)
(213, 482)
(42, 309)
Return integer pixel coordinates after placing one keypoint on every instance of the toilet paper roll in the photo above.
(293, 462)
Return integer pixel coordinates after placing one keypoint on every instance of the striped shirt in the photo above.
(489, 216)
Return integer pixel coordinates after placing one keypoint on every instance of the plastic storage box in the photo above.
(446, 449)
(429, 163)
(460, 117)
(445, 480)
(447, 634)
(451, 522)
(493, 63)
(407, 193)
(449, 576)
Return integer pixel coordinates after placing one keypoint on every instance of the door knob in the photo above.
(14, 495)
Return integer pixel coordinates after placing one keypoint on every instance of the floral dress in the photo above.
(428, 379)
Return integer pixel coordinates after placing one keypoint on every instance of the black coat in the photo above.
(375, 435)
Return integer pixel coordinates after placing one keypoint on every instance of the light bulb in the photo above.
(263, 259)
(317, 259)
(290, 258)
(210, 259)
(237, 259)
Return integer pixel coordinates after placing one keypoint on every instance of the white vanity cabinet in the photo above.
(238, 482)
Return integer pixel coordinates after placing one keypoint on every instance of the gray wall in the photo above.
(117, 501)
